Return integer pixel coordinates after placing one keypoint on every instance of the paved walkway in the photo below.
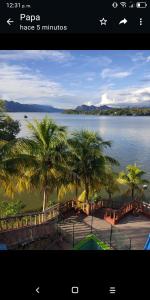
(136, 228)
(131, 229)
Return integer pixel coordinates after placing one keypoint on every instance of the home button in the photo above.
(75, 290)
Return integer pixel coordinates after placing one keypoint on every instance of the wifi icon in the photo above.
(123, 4)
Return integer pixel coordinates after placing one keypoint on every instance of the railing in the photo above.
(87, 208)
(55, 211)
(146, 209)
(114, 216)
(35, 218)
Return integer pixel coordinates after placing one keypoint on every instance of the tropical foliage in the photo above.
(9, 128)
(88, 160)
(10, 208)
(110, 183)
(132, 177)
(42, 156)
(2, 106)
(127, 111)
(51, 160)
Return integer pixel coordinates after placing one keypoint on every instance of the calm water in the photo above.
(130, 136)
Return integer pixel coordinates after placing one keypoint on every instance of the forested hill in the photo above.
(109, 111)
(12, 106)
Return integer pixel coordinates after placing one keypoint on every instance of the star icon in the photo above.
(103, 21)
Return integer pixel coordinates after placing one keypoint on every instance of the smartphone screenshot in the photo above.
(74, 149)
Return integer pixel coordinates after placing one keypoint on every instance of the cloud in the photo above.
(127, 96)
(95, 60)
(146, 78)
(88, 103)
(106, 99)
(115, 74)
(23, 81)
(140, 57)
(17, 82)
(49, 55)
(22, 84)
(89, 78)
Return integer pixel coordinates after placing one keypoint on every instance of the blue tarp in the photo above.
(3, 247)
(147, 245)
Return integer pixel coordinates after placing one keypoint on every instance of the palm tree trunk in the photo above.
(44, 200)
(87, 193)
(57, 191)
(110, 199)
(76, 188)
(132, 194)
(76, 191)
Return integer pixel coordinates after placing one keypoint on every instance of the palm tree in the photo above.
(8, 171)
(66, 180)
(42, 155)
(110, 183)
(133, 178)
(87, 158)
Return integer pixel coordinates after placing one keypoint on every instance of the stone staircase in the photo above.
(73, 226)
(82, 228)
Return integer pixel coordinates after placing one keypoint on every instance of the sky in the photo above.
(66, 79)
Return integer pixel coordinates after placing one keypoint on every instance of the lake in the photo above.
(130, 136)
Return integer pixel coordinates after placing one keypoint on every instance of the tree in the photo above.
(9, 128)
(110, 183)
(42, 155)
(2, 106)
(88, 160)
(10, 208)
(8, 170)
(132, 177)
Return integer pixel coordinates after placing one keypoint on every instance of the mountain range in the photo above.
(92, 107)
(12, 106)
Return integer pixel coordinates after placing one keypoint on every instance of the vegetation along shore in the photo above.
(52, 161)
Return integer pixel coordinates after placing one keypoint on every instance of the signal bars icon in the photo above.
(112, 290)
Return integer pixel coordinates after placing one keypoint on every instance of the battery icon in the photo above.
(141, 4)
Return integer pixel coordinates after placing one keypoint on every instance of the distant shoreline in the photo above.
(133, 112)
(103, 110)
(75, 113)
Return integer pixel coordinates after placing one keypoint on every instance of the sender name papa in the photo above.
(30, 18)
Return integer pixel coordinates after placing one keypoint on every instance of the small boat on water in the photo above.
(145, 186)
